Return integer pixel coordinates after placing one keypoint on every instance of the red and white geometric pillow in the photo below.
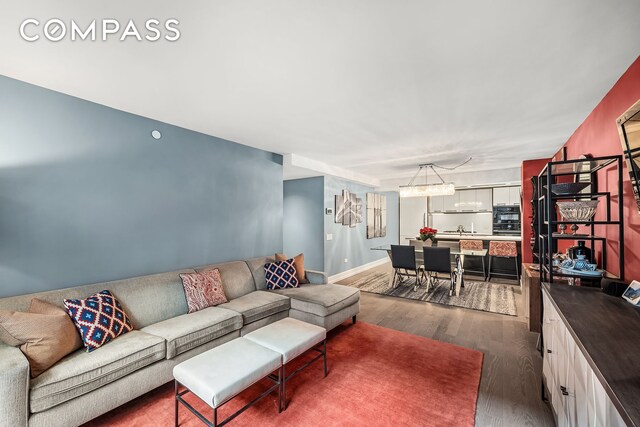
(203, 289)
(99, 318)
(281, 274)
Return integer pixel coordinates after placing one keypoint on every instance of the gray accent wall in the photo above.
(87, 195)
(303, 223)
(352, 243)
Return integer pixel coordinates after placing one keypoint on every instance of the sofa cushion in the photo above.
(281, 274)
(257, 305)
(203, 290)
(298, 262)
(256, 265)
(45, 334)
(321, 300)
(99, 318)
(81, 372)
(192, 330)
(236, 278)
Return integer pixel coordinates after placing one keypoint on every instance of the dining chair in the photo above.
(503, 249)
(437, 260)
(418, 244)
(403, 261)
(454, 245)
(473, 245)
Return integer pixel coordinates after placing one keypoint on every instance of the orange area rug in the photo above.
(377, 377)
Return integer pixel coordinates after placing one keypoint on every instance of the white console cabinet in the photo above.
(574, 391)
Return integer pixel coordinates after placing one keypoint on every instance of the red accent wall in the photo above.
(529, 169)
(598, 136)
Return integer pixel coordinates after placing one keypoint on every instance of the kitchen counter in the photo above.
(604, 328)
(457, 236)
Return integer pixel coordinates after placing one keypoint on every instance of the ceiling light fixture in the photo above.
(424, 190)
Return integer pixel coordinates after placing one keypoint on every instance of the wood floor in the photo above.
(510, 384)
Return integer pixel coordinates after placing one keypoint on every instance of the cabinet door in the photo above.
(484, 199)
(413, 212)
(559, 372)
(452, 203)
(514, 196)
(500, 196)
(581, 371)
(467, 201)
(597, 401)
(436, 203)
(569, 378)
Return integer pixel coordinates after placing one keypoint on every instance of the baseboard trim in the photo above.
(356, 270)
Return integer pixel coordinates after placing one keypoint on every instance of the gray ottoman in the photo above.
(217, 375)
(290, 338)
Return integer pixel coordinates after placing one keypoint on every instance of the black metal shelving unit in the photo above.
(548, 223)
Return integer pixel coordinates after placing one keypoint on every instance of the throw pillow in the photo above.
(298, 261)
(99, 319)
(203, 289)
(281, 274)
(45, 334)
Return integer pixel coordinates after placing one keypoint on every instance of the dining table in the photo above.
(456, 287)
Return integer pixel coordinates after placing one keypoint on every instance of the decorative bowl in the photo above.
(579, 211)
(568, 188)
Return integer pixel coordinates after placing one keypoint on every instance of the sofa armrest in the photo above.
(316, 277)
(14, 387)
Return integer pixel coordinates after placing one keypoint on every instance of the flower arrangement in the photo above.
(428, 233)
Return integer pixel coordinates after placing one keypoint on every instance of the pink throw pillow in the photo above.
(203, 289)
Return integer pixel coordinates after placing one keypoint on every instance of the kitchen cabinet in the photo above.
(484, 199)
(467, 201)
(436, 204)
(514, 195)
(451, 203)
(473, 200)
(575, 392)
(413, 216)
(506, 196)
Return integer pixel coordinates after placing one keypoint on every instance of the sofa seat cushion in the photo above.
(321, 300)
(258, 305)
(82, 372)
(192, 330)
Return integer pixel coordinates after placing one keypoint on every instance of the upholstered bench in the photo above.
(218, 375)
(291, 338)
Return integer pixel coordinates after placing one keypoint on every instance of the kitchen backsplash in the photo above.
(480, 222)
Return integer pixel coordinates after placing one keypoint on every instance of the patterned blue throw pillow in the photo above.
(99, 318)
(281, 275)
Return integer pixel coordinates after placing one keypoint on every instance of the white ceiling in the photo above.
(375, 87)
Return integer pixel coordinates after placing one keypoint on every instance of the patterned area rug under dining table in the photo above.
(484, 296)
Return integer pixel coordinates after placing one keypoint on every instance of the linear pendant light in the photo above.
(426, 189)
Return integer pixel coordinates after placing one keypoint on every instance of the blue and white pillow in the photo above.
(99, 318)
(281, 275)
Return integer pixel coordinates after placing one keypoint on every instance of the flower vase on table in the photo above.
(428, 236)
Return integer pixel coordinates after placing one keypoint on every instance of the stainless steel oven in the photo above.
(506, 220)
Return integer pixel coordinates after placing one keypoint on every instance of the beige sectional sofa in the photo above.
(84, 385)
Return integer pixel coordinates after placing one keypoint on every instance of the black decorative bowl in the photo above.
(568, 188)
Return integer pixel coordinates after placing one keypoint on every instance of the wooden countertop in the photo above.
(607, 330)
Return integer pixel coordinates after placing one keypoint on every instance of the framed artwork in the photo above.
(376, 215)
(348, 209)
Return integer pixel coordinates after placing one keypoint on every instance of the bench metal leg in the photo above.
(284, 389)
(278, 385)
(176, 403)
(325, 352)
